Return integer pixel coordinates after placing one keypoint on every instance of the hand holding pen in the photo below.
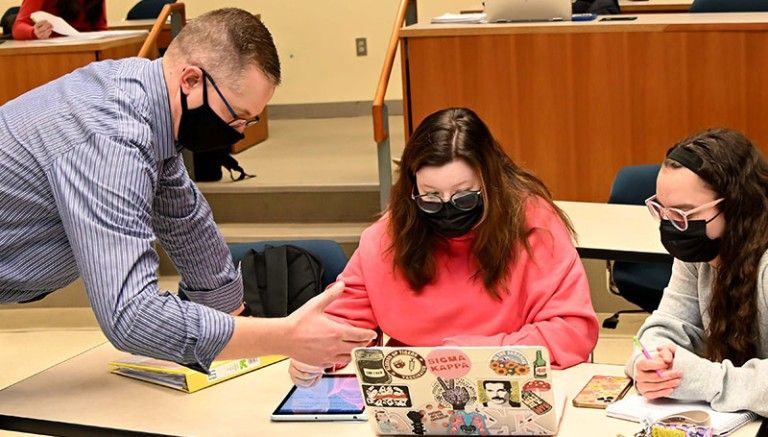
(654, 374)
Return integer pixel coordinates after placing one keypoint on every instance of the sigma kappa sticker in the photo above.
(448, 363)
(405, 364)
(509, 363)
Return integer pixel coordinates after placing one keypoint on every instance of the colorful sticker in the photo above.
(537, 386)
(498, 393)
(370, 363)
(417, 423)
(405, 364)
(390, 423)
(535, 403)
(449, 363)
(387, 395)
(509, 363)
(436, 415)
(467, 423)
(540, 366)
(458, 393)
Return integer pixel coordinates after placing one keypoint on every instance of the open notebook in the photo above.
(636, 408)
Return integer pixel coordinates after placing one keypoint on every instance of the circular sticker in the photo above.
(448, 363)
(510, 363)
(405, 364)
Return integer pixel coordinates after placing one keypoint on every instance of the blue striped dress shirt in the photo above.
(90, 176)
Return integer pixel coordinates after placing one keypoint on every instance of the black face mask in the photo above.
(201, 129)
(691, 245)
(452, 222)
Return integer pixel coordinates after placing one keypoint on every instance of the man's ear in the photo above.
(190, 78)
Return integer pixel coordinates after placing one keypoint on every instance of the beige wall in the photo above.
(316, 42)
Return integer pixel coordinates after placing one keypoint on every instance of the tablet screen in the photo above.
(334, 394)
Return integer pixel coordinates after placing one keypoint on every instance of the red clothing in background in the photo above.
(548, 302)
(23, 28)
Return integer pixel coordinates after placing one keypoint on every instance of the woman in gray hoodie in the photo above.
(709, 336)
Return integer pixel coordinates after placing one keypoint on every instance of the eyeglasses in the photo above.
(677, 217)
(238, 122)
(432, 203)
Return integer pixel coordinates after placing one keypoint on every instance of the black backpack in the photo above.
(280, 279)
(207, 166)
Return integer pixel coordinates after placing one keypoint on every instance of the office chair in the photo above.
(327, 251)
(146, 9)
(728, 6)
(8, 18)
(640, 283)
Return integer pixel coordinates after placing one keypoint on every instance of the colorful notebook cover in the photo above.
(176, 376)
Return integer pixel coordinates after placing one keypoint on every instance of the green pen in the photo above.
(645, 352)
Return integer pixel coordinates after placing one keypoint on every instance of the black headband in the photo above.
(686, 158)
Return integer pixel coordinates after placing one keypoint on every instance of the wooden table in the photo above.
(615, 232)
(29, 64)
(654, 6)
(575, 101)
(80, 395)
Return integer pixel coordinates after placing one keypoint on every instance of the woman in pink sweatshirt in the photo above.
(472, 252)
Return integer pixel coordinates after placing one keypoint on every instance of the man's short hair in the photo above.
(225, 42)
(507, 384)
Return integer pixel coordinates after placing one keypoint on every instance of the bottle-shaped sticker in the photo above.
(371, 366)
(539, 366)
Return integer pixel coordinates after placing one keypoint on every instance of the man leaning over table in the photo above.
(91, 174)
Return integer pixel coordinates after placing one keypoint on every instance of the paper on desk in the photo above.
(59, 25)
(459, 18)
(87, 36)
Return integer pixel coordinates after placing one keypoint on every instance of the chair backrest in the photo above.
(633, 184)
(728, 6)
(639, 283)
(146, 9)
(328, 251)
(178, 15)
(8, 18)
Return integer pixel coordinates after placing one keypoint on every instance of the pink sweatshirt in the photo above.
(548, 301)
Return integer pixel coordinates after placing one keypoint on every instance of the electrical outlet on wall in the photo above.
(361, 46)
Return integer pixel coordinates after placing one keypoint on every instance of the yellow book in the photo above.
(176, 376)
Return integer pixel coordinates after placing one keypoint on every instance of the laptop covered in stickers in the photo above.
(503, 390)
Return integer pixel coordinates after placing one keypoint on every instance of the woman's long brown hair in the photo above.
(445, 136)
(69, 10)
(735, 170)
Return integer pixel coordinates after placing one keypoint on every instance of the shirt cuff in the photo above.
(215, 331)
(226, 298)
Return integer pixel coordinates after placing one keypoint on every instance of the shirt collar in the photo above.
(159, 103)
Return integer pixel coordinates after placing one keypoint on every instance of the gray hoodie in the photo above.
(682, 319)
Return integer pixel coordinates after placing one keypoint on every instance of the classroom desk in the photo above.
(575, 101)
(80, 395)
(615, 232)
(29, 64)
(654, 6)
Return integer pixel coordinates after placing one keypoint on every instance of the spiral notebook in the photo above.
(636, 408)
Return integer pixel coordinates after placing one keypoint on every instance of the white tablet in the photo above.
(335, 397)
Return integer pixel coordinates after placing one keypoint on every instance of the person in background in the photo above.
(471, 252)
(709, 336)
(83, 15)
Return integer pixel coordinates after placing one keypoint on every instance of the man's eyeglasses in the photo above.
(677, 217)
(238, 122)
(432, 203)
